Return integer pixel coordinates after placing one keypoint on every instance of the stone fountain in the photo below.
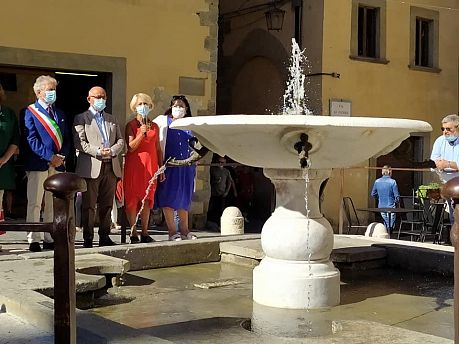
(297, 240)
(297, 151)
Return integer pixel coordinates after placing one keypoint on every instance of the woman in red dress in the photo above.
(142, 161)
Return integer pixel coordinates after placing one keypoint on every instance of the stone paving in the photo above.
(163, 300)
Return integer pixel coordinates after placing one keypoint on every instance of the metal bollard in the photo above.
(450, 190)
(64, 186)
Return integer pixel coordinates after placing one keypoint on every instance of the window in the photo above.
(424, 39)
(368, 31)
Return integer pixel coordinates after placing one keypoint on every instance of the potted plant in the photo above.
(431, 191)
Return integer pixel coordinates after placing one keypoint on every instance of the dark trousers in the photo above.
(100, 190)
(216, 207)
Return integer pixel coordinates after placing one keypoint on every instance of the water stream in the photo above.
(295, 104)
(147, 191)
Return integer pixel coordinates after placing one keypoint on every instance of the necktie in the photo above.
(51, 113)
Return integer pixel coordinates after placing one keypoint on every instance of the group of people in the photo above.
(99, 143)
(445, 155)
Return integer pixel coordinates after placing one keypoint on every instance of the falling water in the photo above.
(295, 104)
(147, 191)
(294, 97)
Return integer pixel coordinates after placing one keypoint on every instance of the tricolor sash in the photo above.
(50, 126)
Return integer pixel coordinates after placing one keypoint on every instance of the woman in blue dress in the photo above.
(176, 192)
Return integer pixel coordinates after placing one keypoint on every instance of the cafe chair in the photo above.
(429, 225)
(410, 223)
(434, 223)
(353, 223)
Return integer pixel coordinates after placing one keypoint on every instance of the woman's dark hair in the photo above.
(183, 99)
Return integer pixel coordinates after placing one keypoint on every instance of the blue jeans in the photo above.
(389, 220)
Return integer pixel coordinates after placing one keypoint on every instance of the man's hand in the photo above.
(106, 152)
(442, 164)
(56, 160)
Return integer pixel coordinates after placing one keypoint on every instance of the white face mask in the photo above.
(178, 112)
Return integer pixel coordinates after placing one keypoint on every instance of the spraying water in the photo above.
(147, 191)
(294, 98)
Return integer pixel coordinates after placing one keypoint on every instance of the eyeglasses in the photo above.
(99, 96)
(448, 130)
(178, 97)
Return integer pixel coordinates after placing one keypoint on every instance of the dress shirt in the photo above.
(444, 150)
(385, 188)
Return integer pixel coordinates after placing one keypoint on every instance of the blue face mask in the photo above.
(451, 138)
(50, 97)
(143, 110)
(99, 104)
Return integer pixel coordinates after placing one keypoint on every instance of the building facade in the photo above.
(160, 48)
(377, 58)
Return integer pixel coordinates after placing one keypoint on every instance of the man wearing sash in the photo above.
(48, 143)
(99, 142)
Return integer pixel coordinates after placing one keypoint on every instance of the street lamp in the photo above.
(274, 18)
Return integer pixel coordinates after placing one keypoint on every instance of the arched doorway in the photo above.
(257, 88)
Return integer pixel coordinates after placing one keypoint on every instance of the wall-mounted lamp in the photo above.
(274, 15)
(333, 75)
(275, 18)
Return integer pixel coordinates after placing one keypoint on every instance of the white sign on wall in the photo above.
(340, 107)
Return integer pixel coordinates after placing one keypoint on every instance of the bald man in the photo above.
(99, 142)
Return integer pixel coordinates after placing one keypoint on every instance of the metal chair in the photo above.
(430, 224)
(411, 223)
(353, 222)
(434, 223)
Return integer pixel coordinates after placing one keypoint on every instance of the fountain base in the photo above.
(296, 284)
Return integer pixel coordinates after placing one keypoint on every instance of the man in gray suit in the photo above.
(98, 141)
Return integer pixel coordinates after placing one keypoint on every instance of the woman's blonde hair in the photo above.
(137, 98)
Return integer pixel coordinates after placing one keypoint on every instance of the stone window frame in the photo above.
(434, 16)
(381, 35)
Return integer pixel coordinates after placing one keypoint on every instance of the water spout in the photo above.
(303, 147)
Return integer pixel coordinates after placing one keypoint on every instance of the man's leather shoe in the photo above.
(87, 243)
(48, 245)
(35, 247)
(106, 241)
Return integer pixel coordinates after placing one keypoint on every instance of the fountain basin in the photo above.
(268, 140)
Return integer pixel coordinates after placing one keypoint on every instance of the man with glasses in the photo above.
(98, 141)
(445, 151)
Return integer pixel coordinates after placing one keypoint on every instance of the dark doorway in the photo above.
(72, 90)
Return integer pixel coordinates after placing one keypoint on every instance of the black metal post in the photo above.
(451, 191)
(64, 186)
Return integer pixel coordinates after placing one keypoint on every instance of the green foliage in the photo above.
(422, 190)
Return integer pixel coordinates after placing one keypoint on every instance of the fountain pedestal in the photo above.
(296, 272)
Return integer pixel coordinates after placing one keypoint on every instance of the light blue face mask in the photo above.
(143, 110)
(99, 104)
(451, 138)
(50, 97)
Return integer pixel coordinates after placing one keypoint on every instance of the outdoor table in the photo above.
(391, 211)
